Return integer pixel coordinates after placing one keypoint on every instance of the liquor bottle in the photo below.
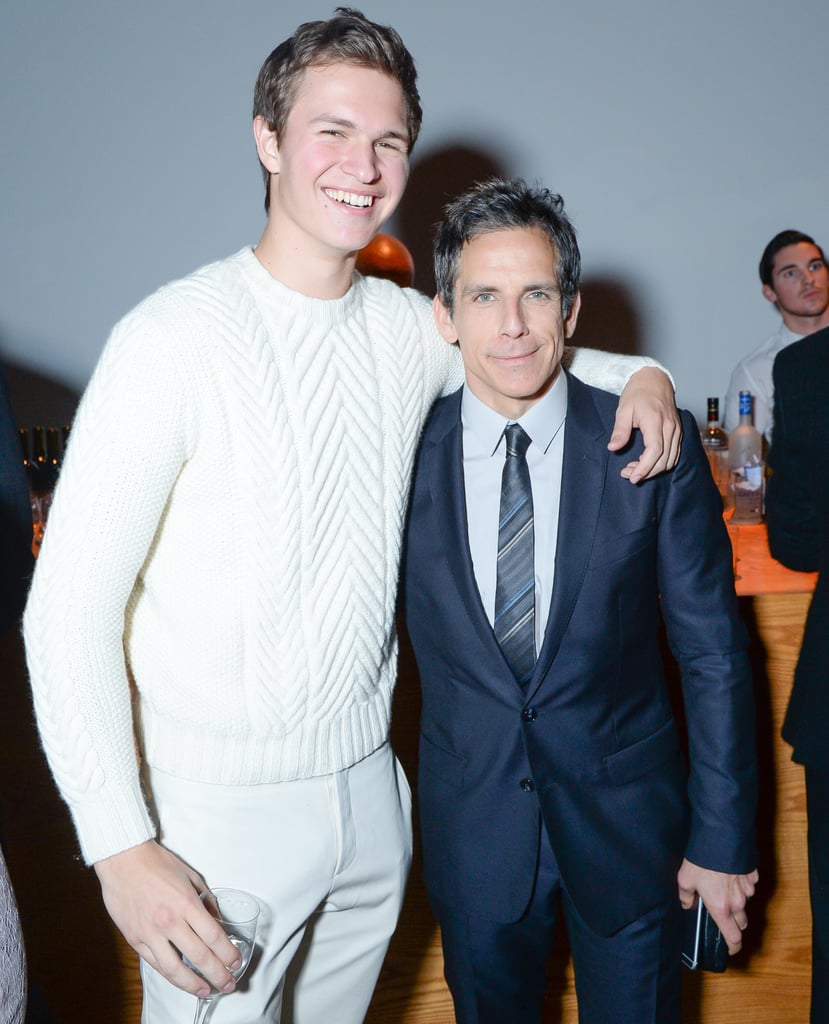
(715, 443)
(745, 459)
(52, 456)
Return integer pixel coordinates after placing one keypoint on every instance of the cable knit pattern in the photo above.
(12, 961)
(226, 536)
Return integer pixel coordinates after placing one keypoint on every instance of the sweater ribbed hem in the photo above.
(315, 748)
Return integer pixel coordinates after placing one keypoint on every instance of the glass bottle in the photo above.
(715, 443)
(745, 459)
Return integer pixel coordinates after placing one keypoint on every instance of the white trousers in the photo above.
(327, 858)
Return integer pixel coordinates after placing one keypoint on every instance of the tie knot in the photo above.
(518, 440)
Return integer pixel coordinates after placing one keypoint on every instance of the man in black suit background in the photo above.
(559, 778)
(797, 511)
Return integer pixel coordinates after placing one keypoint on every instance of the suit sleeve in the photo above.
(795, 534)
(709, 642)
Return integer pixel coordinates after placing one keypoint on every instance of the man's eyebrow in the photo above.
(393, 133)
(473, 287)
(343, 122)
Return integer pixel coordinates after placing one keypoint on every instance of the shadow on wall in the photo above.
(608, 319)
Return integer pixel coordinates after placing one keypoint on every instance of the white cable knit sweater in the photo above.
(226, 534)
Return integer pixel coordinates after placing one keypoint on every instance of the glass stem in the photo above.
(202, 1011)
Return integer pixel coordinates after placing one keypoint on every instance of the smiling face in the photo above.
(800, 286)
(338, 171)
(507, 318)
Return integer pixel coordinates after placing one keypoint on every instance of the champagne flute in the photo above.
(237, 912)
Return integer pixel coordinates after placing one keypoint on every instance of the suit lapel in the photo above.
(583, 474)
(443, 462)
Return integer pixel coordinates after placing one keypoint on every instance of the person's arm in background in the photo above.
(15, 517)
(15, 570)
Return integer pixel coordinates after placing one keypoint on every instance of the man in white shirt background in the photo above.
(795, 278)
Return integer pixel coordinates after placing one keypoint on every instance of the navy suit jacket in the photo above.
(592, 746)
(797, 509)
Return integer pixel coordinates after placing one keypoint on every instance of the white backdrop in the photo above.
(682, 137)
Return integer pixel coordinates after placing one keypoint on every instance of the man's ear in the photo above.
(266, 144)
(769, 293)
(444, 321)
(573, 316)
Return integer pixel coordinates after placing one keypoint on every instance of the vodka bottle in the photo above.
(745, 459)
(715, 443)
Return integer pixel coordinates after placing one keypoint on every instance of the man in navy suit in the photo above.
(553, 773)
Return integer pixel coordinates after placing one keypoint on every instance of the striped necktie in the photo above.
(515, 579)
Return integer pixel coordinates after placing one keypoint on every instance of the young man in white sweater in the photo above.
(219, 575)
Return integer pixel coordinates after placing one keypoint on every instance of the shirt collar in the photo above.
(787, 334)
(483, 427)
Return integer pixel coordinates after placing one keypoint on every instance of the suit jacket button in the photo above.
(527, 785)
(529, 714)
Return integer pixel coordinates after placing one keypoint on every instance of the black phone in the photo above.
(703, 946)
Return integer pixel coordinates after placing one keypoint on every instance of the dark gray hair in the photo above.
(498, 205)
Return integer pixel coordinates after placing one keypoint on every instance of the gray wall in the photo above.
(681, 136)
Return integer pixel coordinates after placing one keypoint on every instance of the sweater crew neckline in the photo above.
(270, 290)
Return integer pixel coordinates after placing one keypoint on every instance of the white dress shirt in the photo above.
(484, 453)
